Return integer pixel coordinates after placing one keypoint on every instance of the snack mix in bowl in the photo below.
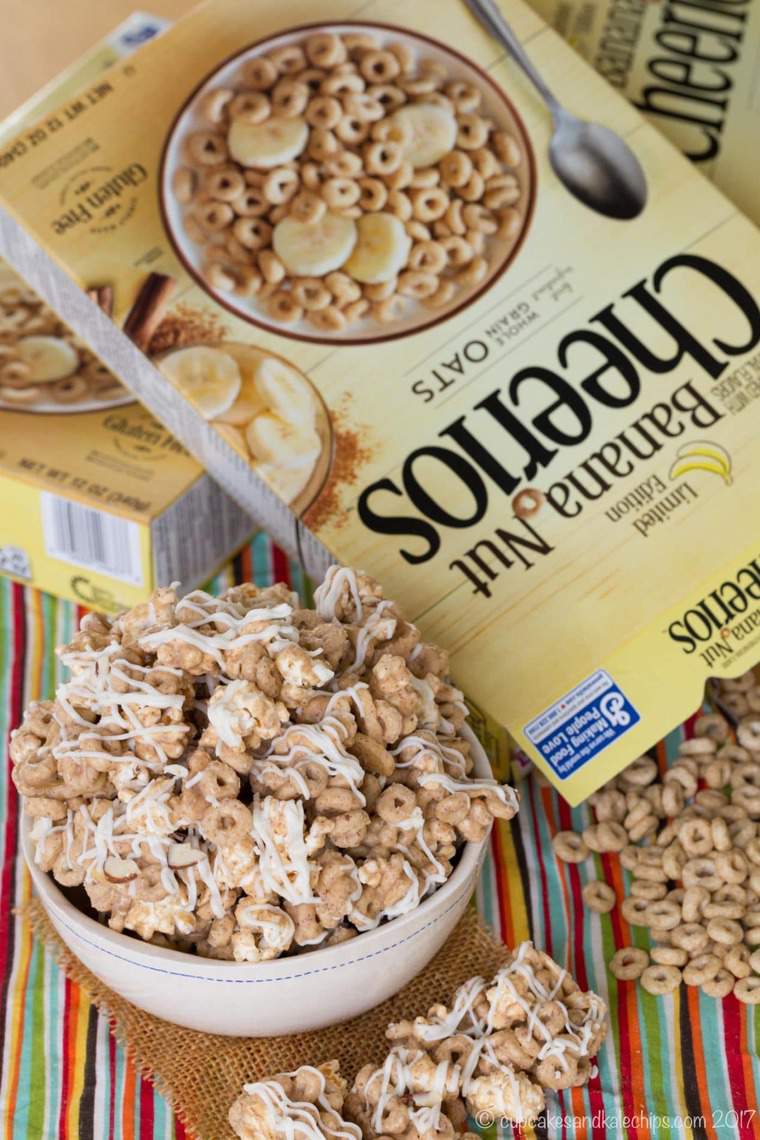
(491, 1054)
(246, 778)
(339, 178)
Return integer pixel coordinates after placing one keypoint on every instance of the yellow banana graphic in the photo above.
(702, 455)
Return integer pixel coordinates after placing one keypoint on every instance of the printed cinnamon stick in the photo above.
(148, 309)
(102, 295)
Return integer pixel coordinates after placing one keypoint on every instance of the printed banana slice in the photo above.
(683, 466)
(313, 249)
(272, 440)
(247, 404)
(287, 482)
(285, 392)
(702, 455)
(431, 132)
(208, 377)
(49, 358)
(381, 250)
(269, 144)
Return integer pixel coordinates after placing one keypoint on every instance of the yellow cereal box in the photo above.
(506, 362)
(100, 501)
(691, 67)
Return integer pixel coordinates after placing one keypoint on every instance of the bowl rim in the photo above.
(373, 942)
(262, 325)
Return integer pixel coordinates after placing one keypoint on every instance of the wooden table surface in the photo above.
(42, 37)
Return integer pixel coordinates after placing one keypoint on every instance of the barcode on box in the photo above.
(91, 538)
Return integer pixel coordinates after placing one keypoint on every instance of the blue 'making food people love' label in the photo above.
(581, 724)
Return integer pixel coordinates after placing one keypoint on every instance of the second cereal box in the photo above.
(508, 364)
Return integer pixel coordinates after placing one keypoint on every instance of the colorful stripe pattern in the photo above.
(684, 1066)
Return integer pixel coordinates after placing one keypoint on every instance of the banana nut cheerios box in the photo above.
(99, 501)
(691, 66)
(528, 405)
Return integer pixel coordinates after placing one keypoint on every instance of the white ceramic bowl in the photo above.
(497, 105)
(288, 995)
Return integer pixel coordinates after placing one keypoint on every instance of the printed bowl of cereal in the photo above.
(43, 366)
(278, 812)
(347, 183)
(265, 407)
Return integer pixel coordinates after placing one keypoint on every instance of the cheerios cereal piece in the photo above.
(339, 84)
(69, 390)
(485, 162)
(390, 309)
(356, 310)
(213, 106)
(308, 207)
(379, 66)
(252, 203)
(383, 158)
(214, 216)
(253, 233)
(443, 295)
(660, 980)
(272, 269)
(528, 502)
(183, 184)
(373, 194)
(352, 131)
(429, 257)
(207, 148)
(472, 133)
(473, 273)
(280, 185)
(388, 94)
(418, 231)
(312, 294)
(668, 956)
(381, 291)
(418, 284)
(429, 203)
(343, 288)
(473, 189)
(251, 107)
(424, 177)
(635, 911)
(570, 847)
(288, 59)
(329, 319)
(340, 193)
(701, 968)
(628, 963)
(506, 148)
(359, 42)
(323, 111)
(260, 73)
(220, 277)
(721, 985)
(598, 896)
(322, 144)
(282, 306)
(399, 179)
(289, 98)
(326, 50)
(501, 191)
(225, 183)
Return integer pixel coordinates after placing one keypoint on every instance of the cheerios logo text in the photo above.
(645, 335)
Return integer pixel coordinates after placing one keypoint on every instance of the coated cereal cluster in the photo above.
(494, 1050)
(246, 777)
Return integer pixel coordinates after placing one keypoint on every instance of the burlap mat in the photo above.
(201, 1074)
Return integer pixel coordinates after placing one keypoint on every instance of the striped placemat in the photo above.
(680, 1066)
